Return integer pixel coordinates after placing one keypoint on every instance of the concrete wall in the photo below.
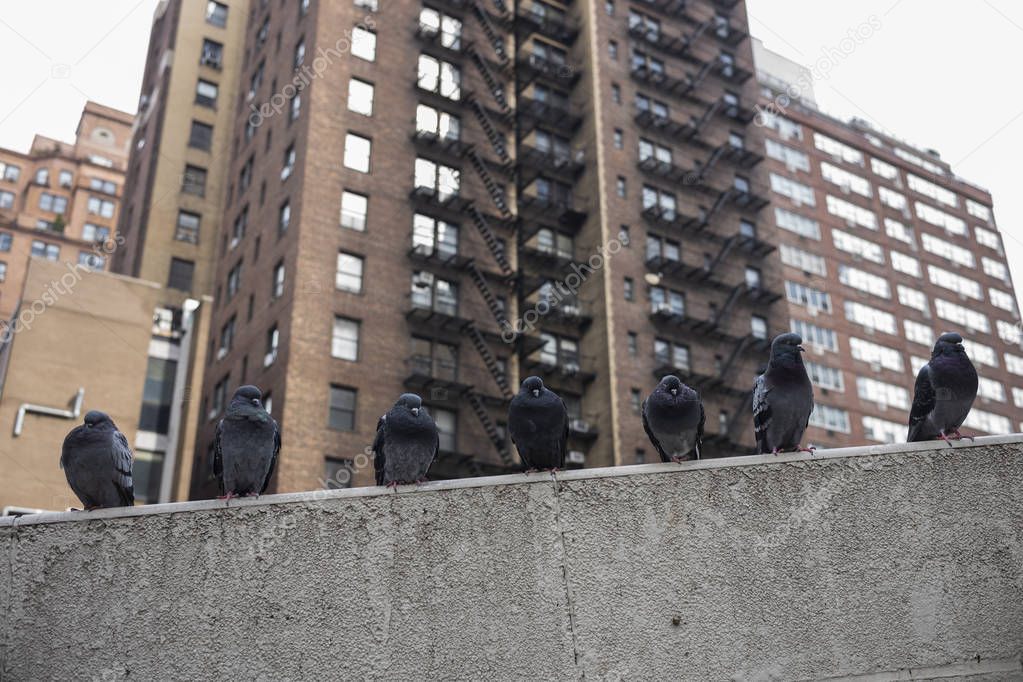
(885, 562)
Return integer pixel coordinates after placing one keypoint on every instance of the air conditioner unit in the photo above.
(663, 308)
(571, 368)
(221, 353)
(233, 244)
(570, 310)
(580, 425)
(212, 414)
(575, 457)
(269, 358)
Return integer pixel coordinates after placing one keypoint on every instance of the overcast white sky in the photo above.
(938, 73)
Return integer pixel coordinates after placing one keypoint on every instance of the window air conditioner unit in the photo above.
(571, 368)
(233, 244)
(570, 310)
(212, 414)
(575, 457)
(269, 358)
(221, 353)
(580, 425)
(663, 308)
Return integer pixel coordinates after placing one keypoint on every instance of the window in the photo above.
(896, 230)
(792, 158)
(284, 217)
(1014, 364)
(436, 122)
(891, 198)
(804, 260)
(41, 249)
(837, 149)
(853, 214)
(100, 207)
(216, 14)
(912, 298)
(273, 338)
(885, 170)
(620, 186)
(918, 333)
(95, 233)
(987, 422)
(245, 176)
(349, 272)
(299, 54)
(825, 377)
(988, 238)
(882, 430)
(616, 93)
(277, 287)
(858, 246)
(341, 416)
(360, 97)
(954, 312)
(180, 276)
(6, 239)
(870, 317)
(234, 279)
(446, 421)
(619, 138)
(1002, 299)
(991, 389)
(65, 179)
(9, 172)
(364, 44)
(441, 77)
(906, 264)
(58, 204)
(187, 229)
(212, 54)
(357, 152)
(864, 281)
(370, 5)
(3, 271)
(432, 236)
(430, 292)
(1008, 332)
(220, 396)
(288, 165)
(929, 189)
(226, 338)
(814, 299)
(994, 268)
(295, 108)
(978, 210)
(345, 340)
(632, 343)
(849, 182)
(629, 289)
(830, 418)
(6, 199)
(758, 327)
(659, 202)
(337, 473)
(981, 354)
(955, 282)
(659, 249)
(934, 216)
(666, 302)
(100, 185)
(816, 335)
(449, 28)
(787, 129)
(882, 393)
(42, 177)
(670, 354)
(194, 181)
(798, 224)
(444, 180)
(353, 210)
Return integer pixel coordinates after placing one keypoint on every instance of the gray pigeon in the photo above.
(406, 443)
(782, 398)
(97, 462)
(538, 424)
(246, 446)
(673, 419)
(945, 390)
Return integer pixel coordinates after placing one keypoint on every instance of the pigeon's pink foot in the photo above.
(251, 495)
(959, 436)
(422, 480)
(947, 439)
(811, 449)
(228, 496)
(393, 484)
(775, 452)
(530, 470)
(678, 459)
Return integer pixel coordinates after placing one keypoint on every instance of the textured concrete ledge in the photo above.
(883, 562)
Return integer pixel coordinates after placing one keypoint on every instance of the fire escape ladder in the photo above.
(711, 110)
(700, 30)
(726, 248)
(489, 360)
(491, 32)
(736, 352)
(488, 180)
(488, 426)
(718, 204)
(502, 7)
(495, 86)
(488, 296)
(732, 298)
(497, 140)
(709, 164)
(488, 236)
(744, 404)
(701, 75)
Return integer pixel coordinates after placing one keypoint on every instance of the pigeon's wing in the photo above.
(122, 469)
(761, 413)
(699, 432)
(378, 450)
(650, 434)
(923, 402)
(563, 441)
(70, 442)
(218, 456)
(273, 458)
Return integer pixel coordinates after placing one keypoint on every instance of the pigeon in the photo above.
(538, 424)
(406, 443)
(945, 390)
(97, 462)
(246, 446)
(782, 398)
(673, 419)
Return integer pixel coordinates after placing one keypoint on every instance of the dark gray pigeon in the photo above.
(406, 443)
(782, 398)
(246, 446)
(538, 424)
(673, 419)
(97, 462)
(945, 390)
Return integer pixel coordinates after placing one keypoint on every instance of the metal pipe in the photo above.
(73, 413)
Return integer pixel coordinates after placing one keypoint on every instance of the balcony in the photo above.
(668, 171)
(738, 156)
(433, 379)
(676, 46)
(730, 72)
(670, 128)
(562, 164)
(439, 257)
(430, 198)
(546, 259)
(532, 112)
(671, 221)
(446, 44)
(551, 211)
(567, 313)
(665, 84)
(582, 429)
(445, 147)
(532, 19)
(534, 67)
(564, 372)
(670, 8)
(436, 318)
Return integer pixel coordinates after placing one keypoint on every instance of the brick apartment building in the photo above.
(883, 248)
(446, 197)
(60, 201)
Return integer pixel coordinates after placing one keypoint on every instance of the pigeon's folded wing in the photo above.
(761, 412)
(923, 402)
(218, 457)
(122, 469)
(273, 458)
(378, 450)
(650, 434)
(699, 432)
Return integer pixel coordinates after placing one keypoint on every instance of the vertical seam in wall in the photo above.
(5, 627)
(560, 532)
(609, 336)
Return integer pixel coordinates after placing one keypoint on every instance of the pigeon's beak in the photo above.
(801, 349)
(415, 411)
(536, 392)
(674, 391)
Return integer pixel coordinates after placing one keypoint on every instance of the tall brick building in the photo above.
(883, 248)
(61, 201)
(446, 197)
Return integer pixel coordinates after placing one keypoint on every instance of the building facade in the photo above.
(61, 201)
(446, 197)
(883, 248)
